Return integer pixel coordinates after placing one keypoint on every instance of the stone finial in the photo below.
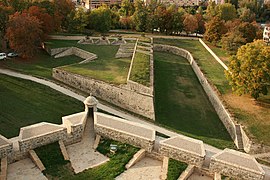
(91, 102)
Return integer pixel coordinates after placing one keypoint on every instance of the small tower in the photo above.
(90, 104)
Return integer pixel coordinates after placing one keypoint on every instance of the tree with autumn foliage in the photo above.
(214, 30)
(25, 39)
(190, 23)
(249, 70)
(47, 22)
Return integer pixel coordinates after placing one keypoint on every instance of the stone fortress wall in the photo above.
(118, 95)
(221, 110)
(131, 96)
(191, 151)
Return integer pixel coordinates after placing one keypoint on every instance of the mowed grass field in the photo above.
(180, 102)
(253, 115)
(41, 65)
(24, 103)
(106, 67)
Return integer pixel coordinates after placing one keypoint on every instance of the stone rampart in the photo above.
(75, 125)
(124, 131)
(40, 134)
(55, 51)
(6, 147)
(115, 94)
(139, 88)
(237, 165)
(222, 112)
(183, 149)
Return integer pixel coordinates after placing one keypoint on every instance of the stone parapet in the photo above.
(6, 147)
(124, 131)
(237, 165)
(118, 95)
(183, 149)
(40, 134)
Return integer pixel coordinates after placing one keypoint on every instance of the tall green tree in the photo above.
(140, 16)
(77, 20)
(246, 14)
(226, 11)
(100, 19)
(249, 70)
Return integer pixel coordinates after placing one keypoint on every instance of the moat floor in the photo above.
(146, 169)
(24, 170)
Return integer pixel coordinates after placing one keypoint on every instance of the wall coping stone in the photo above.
(39, 129)
(239, 160)
(4, 141)
(185, 144)
(75, 119)
(131, 127)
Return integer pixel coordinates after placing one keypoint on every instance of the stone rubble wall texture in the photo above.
(180, 155)
(55, 51)
(37, 141)
(6, 150)
(87, 56)
(123, 136)
(222, 112)
(115, 94)
(235, 172)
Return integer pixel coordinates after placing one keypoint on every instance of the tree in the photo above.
(62, 10)
(25, 39)
(44, 18)
(190, 23)
(140, 16)
(231, 41)
(201, 23)
(214, 30)
(246, 14)
(249, 70)
(127, 8)
(100, 19)
(226, 11)
(211, 10)
(77, 20)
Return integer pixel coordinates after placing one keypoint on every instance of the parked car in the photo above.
(12, 54)
(3, 56)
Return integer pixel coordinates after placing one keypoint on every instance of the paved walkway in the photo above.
(82, 155)
(209, 149)
(145, 169)
(24, 170)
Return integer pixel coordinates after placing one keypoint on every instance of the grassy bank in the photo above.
(140, 71)
(181, 104)
(254, 115)
(24, 103)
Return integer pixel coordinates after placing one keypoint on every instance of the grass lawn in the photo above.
(175, 168)
(58, 168)
(41, 65)
(211, 68)
(181, 103)
(221, 53)
(23, 103)
(106, 68)
(255, 116)
(140, 71)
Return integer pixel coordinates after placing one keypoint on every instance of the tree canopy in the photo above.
(249, 70)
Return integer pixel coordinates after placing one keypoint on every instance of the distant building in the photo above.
(92, 4)
(182, 2)
(266, 34)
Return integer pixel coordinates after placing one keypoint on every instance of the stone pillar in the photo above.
(90, 105)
